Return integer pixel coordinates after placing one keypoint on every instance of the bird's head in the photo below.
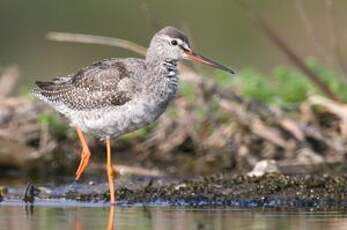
(170, 43)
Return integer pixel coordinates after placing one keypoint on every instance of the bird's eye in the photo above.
(174, 42)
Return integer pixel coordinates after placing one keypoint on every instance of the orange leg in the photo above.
(110, 170)
(85, 154)
(83, 163)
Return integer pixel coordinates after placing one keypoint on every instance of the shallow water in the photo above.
(53, 209)
(18, 216)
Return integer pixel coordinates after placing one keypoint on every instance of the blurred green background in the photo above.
(218, 29)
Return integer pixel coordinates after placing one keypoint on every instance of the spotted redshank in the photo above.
(117, 96)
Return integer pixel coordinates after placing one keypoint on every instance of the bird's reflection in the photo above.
(29, 210)
(110, 220)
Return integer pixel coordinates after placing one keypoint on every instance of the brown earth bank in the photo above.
(36, 142)
(209, 129)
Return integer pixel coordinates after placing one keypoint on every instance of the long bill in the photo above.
(190, 55)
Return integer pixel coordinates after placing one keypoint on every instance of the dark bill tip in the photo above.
(190, 55)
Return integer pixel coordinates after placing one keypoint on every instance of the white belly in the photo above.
(115, 121)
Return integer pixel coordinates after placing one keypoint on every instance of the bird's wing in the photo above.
(106, 83)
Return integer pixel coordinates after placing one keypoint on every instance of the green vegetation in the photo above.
(286, 86)
(56, 126)
(25, 91)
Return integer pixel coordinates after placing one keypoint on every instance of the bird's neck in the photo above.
(162, 68)
(164, 78)
(169, 67)
(170, 73)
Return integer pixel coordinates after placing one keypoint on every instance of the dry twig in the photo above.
(99, 40)
(288, 51)
(335, 42)
(309, 28)
(8, 80)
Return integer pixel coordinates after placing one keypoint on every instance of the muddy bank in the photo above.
(270, 190)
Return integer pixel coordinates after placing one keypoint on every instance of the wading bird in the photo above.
(117, 96)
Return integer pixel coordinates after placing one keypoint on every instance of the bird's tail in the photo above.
(51, 91)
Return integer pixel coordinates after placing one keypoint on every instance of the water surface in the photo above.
(78, 217)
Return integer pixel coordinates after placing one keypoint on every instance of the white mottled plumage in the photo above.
(143, 107)
(116, 96)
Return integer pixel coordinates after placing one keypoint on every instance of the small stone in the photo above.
(264, 166)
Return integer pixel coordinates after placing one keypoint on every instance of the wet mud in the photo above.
(271, 191)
